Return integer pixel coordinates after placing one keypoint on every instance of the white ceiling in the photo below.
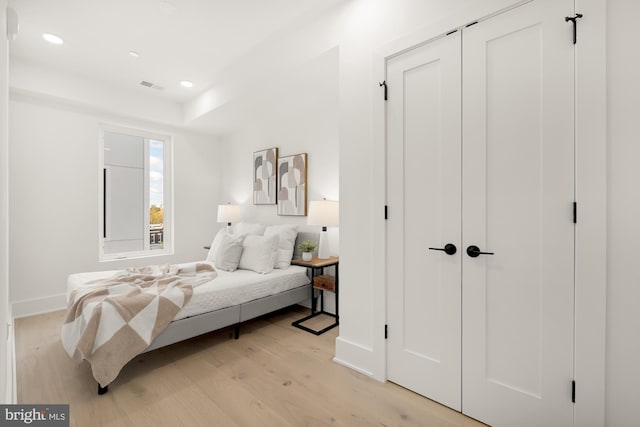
(177, 39)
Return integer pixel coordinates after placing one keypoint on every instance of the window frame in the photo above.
(167, 189)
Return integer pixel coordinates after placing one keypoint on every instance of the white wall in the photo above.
(54, 194)
(623, 278)
(5, 361)
(300, 117)
(140, 102)
(266, 68)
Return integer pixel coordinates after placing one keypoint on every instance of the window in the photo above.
(135, 182)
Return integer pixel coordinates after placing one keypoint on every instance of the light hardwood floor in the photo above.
(274, 375)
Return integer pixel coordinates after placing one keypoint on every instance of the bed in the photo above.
(228, 300)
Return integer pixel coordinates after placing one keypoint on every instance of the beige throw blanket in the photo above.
(112, 320)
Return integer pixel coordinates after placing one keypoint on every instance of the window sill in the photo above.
(135, 255)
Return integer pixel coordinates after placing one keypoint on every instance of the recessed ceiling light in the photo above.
(186, 83)
(52, 38)
(134, 54)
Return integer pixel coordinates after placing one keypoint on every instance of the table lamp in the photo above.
(228, 213)
(325, 213)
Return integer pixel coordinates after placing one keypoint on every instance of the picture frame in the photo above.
(265, 172)
(292, 185)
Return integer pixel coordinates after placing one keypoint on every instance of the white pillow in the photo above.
(215, 245)
(247, 228)
(287, 234)
(229, 252)
(259, 253)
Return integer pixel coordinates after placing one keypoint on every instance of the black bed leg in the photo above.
(236, 331)
(102, 390)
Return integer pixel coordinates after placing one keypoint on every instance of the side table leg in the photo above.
(337, 293)
(313, 299)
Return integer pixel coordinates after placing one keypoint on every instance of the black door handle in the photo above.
(448, 249)
(473, 251)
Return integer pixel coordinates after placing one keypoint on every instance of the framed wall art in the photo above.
(292, 185)
(265, 168)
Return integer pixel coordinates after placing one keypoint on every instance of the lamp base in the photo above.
(323, 245)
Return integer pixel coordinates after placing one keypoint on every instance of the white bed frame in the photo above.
(200, 324)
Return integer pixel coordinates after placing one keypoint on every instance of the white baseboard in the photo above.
(12, 391)
(35, 306)
(354, 356)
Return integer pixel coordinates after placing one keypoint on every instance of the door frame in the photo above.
(590, 179)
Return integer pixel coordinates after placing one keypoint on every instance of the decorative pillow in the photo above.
(259, 253)
(215, 245)
(229, 252)
(287, 239)
(247, 228)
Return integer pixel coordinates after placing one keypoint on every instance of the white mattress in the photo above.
(226, 290)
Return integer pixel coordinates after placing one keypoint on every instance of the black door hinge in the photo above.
(386, 212)
(575, 212)
(573, 391)
(386, 332)
(384, 84)
(574, 20)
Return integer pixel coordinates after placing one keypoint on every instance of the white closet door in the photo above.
(424, 290)
(518, 188)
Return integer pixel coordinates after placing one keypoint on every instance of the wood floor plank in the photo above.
(274, 375)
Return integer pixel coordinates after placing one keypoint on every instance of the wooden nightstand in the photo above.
(322, 282)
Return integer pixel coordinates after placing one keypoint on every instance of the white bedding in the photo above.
(226, 290)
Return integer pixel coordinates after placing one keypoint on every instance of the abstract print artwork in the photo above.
(264, 176)
(292, 185)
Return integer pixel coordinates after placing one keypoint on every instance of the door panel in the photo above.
(506, 186)
(125, 184)
(125, 210)
(423, 161)
(517, 194)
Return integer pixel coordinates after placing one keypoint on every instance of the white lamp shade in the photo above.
(228, 213)
(324, 212)
(327, 214)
